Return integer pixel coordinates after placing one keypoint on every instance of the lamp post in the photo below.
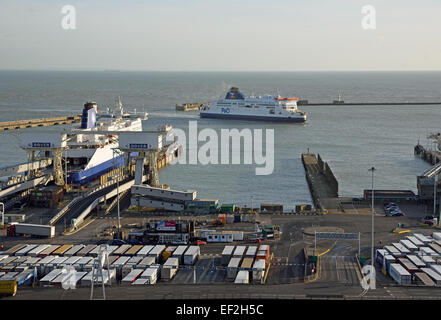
(372, 243)
(117, 192)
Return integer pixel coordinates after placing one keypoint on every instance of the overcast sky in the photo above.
(220, 35)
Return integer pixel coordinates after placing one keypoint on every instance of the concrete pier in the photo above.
(42, 122)
(322, 183)
(431, 156)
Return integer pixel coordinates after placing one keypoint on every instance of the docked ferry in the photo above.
(267, 108)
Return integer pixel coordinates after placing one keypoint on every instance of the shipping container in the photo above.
(226, 255)
(416, 261)
(169, 268)
(436, 235)
(422, 278)
(233, 267)
(34, 252)
(61, 250)
(120, 262)
(73, 251)
(239, 251)
(424, 239)
(401, 248)
(144, 250)
(191, 255)
(25, 250)
(10, 276)
(14, 249)
(134, 261)
(399, 274)
(435, 276)
(3, 256)
(168, 253)
(131, 277)
(415, 241)
(251, 251)
(85, 251)
(409, 245)
(48, 251)
(242, 277)
(409, 266)
(133, 250)
(146, 261)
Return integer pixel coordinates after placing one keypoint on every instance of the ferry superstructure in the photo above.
(266, 108)
(90, 154)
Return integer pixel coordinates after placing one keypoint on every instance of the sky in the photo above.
(214, 35)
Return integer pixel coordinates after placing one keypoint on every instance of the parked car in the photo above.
(430, 220)
(397, 214)
(200, 242)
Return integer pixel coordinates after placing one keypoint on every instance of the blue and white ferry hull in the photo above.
(252, 117)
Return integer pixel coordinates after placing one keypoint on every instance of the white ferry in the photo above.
(89, 153)
(267, 108)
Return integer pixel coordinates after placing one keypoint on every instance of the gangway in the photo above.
(24, 167)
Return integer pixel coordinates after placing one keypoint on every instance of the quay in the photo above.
(42, 122)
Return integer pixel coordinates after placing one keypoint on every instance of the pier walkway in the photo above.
(42, 122)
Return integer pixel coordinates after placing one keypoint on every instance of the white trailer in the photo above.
(415, 241)
(72, 280)
(73, 251)
(150, 275)
(226, 254)
(238, 236)
(70, 261)
(394, 251)
(422, 238)
(25, 250)
(179, 253)
(251, 251)
(428, 260)
(436, 268)
(107, 275)
(35, 229)
(170, 268)
(157, 251)
(435, 276)
(46, 280)
(79, 265)
(399, 274)
(436, 235)
(233, 267)
(239, 252)
(85, 251)
(401, 248)
(134, 261)
(148, 191)
(131, 277)
(242, 277)
(191, 255)
(144, 251)
(258, 270)
(409, 245)
(416, 261)
(146, 262)
(427, 251)
(120, 262)
(34, 252)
